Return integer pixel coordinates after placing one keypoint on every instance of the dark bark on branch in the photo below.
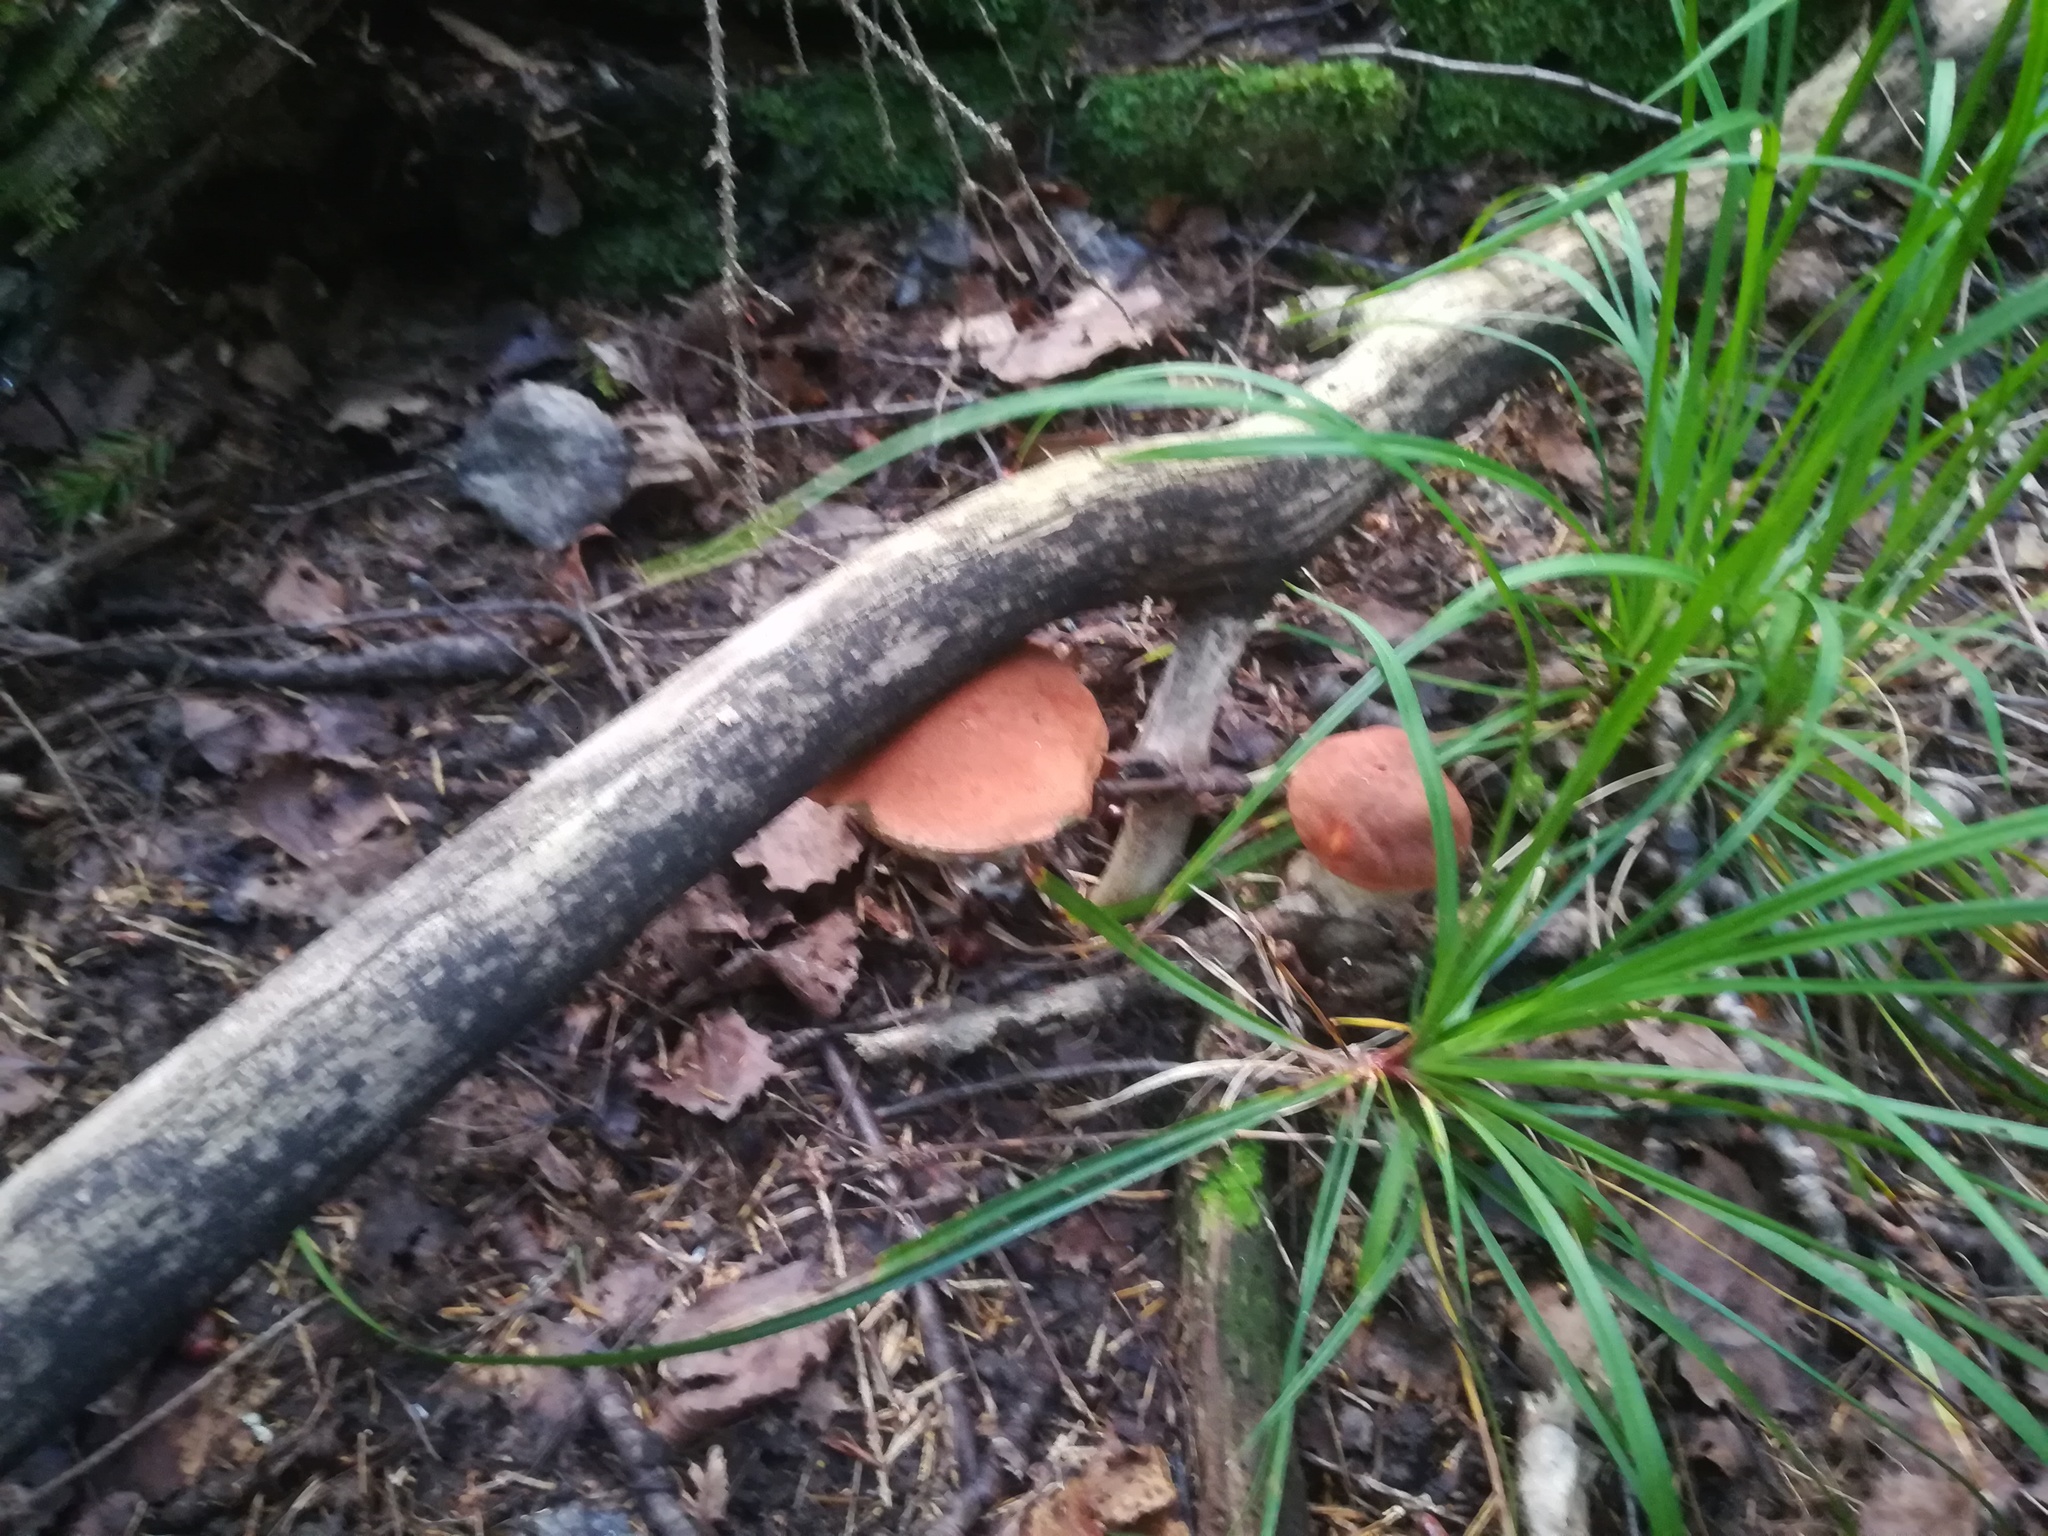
(145, 1209)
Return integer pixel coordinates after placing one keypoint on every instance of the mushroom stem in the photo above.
(1175, 734)
(1338, 896)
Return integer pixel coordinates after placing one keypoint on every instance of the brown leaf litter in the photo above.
(1122, 1489)
(821, 964)
(717, 1385)
(808, 844)
(720, 1065)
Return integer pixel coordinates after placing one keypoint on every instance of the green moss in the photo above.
(1233, 1186)
(1248, 135)
(646, 233)
(822, 144)
(1631, 48)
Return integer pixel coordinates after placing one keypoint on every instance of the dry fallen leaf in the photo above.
(19, 1091)
(666, 448)
(554, 1165)
(719, 1066)
(808, 844)
(629, 1294)
(304, 594)
(821, 964)
(370, 407)
(1089, 326)
(232, 735)
(1691, 1046)
(1918, 1504)
(312, 813)
(1751, 1283)
(722, 1383)
(1568, 459)
(1124, 1488)
(1568, 1330)
(335, 887)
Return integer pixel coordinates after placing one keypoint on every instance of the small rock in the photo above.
(2029, 549)
(947, 241)
(546, 462)
(1108, 253)
(275, 370)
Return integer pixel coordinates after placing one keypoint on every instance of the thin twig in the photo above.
(351, 491)
(265, 33)
(843, 413)
(176, 1400)
(975, 1495)
(37, 645)
(730, 275)
(941, 1355)
(63, 771)
(960, 1093)
(1531, 72)
(42, 591)
(112, 697)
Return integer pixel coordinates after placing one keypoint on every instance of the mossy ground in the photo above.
(1250, 137)
(1244, 135)
(1632, 47)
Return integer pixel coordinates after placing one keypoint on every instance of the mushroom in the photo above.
(1359, 804)
(1006, 759)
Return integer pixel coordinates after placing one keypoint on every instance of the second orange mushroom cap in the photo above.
(1358, 801)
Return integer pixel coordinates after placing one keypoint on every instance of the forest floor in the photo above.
(670, 1144)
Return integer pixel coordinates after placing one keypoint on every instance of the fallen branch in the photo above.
(1174, 737)
(40, 593)
(1230, 1341)
(205, 1162)
(430, 659)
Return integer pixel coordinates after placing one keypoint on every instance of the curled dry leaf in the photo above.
(1124, 1488)
(302, 593)
(721, 1384)
(722, 1064)
(821, 964)
(808, 844)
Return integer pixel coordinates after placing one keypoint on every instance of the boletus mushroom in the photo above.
(1008, 758)
(1358, 801)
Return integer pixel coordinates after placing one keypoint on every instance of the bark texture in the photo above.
(1230, 1319)
(204, 1163)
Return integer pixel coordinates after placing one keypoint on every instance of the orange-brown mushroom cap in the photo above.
(1005, 759)
(1358, 802)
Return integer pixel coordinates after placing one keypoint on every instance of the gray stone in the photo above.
(573, 1520)
(547, 463)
